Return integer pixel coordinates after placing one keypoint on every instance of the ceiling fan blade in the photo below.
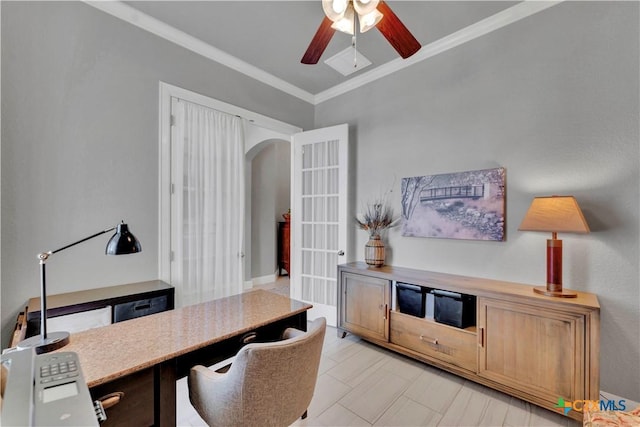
(396, 33)
(319, 42)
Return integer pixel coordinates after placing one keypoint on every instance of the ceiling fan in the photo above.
(341, 16)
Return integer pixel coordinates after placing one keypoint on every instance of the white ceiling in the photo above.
(266, 39)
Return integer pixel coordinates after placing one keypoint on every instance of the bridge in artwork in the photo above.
(452, 192)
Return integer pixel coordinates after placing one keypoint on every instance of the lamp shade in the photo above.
(369, 20)
(123, 242)
(363, 7)
(345, 23)
(557, 214)
(334, 9)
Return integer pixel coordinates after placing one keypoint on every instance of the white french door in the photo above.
(319, 217)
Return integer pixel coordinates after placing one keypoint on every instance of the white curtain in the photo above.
(209, 203)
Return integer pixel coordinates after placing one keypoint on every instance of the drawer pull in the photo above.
(142, 306)
(429, 340)
(111, 399)
(249, 337)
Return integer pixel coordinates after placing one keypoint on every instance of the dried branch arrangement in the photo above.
(377, 216)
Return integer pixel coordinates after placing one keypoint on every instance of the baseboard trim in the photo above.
(263, 280)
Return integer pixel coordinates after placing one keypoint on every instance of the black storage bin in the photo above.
(455, 309)
(411, 299)
(143, 307)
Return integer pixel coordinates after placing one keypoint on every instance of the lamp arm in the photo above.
(45, 255)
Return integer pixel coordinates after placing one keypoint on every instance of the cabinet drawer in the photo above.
(448, 344)
(135, 406)
(142, 307)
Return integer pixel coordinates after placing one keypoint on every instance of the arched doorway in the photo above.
(268, 189)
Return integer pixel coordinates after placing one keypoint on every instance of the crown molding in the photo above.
(135, 17)
(501, 19)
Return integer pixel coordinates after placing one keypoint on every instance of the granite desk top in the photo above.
(116, 350)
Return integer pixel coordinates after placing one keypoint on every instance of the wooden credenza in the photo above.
(531, 346)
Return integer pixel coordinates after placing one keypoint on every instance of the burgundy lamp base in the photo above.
(554, 272)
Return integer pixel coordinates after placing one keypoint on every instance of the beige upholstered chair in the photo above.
(268, 384)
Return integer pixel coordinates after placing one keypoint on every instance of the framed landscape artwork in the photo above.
(463, 205)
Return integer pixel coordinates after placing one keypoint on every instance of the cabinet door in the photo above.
(364, 306)
(532, 349)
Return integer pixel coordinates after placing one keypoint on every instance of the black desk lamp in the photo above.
(121, 243)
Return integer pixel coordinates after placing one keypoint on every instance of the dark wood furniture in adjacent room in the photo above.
(284, 233)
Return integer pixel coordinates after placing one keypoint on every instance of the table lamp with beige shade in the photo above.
(555, 214)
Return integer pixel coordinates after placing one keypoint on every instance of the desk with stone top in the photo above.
(144, 357)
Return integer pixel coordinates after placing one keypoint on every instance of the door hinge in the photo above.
(172, 256)
(172, 120)
(172, 190)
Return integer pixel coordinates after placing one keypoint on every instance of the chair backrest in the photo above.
(267, 384)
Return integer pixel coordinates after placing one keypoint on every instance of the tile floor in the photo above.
(360, 384)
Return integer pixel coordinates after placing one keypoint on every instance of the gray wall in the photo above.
(80, 141)
(270, 198)
(553, 99)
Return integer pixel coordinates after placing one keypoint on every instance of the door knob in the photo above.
(340, 253)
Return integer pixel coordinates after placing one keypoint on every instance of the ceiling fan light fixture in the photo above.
(370, 13)
(335, 9)
(345, 24)
(370, 20)
(364, 7)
